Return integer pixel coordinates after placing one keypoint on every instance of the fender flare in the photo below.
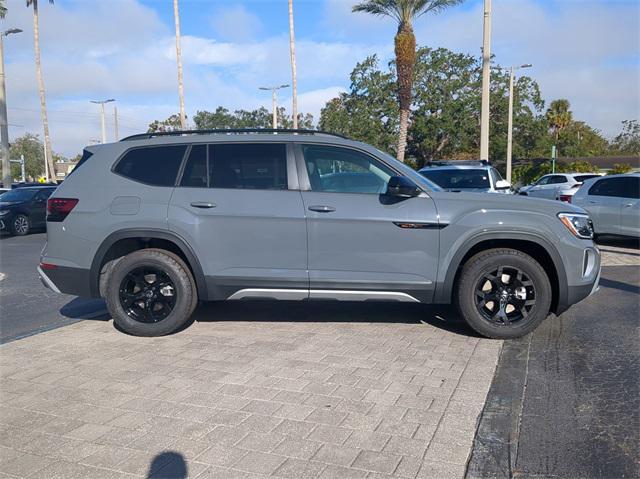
(445, 290)
(94, 273)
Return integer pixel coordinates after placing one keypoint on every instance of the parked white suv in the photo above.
(557, 186)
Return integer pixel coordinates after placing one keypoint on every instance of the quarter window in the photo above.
(342, 170)
(154, 165)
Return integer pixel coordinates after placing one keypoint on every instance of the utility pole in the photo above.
(4, 122)
(294, 78)
(102, 119)
(115, 121)
(510, 122)
(274, 101)
(183, 117)
(486, 81)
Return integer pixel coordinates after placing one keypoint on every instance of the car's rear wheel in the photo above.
(21, 225)
(150, 292)
(503, 293)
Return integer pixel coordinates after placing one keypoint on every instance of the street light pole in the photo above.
(115, 125)
(274, 101)
(102, 119)
(510, 122)
(4, 122)
(486, 81)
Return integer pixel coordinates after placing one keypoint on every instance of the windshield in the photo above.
(18, 195)
(410, 172)
(459, 179)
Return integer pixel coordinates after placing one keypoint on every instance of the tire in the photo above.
(20, 225)
(143, 272)
(523, 280)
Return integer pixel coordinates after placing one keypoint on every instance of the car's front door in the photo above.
(630, 207)
(362, 243)
(603, 203)
(238, 206)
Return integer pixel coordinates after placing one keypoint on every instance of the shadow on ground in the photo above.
(440, 316)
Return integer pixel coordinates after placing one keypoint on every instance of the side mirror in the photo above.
(502, 185)
(402, 187)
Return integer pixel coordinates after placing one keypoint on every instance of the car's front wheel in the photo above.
(150, 292)
(503, 293)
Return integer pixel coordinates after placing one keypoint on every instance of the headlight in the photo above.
(4, 212)
(580, 225)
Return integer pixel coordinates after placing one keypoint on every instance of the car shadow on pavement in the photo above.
(86, 308)
(441, 316)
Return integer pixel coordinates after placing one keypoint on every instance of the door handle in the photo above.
(593, 202)
(202, 204)
(628, 205)
(322, 208)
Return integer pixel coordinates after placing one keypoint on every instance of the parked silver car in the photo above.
(550, 186)
(613, 203)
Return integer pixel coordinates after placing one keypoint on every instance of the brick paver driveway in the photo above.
(246, 398)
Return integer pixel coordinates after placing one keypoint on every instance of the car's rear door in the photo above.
(363, 244)
(238, 206)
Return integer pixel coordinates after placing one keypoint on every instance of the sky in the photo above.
(587, 51)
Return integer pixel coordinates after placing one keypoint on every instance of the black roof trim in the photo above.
(146, 136)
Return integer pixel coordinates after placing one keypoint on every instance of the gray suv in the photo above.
(158, 222)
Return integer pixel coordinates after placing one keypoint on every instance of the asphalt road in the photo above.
(26, 306)
(565, 400)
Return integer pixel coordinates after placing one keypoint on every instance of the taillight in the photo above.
(59, 208)
(565, 198)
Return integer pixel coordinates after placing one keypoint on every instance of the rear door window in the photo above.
(607, 187)
(153, 165)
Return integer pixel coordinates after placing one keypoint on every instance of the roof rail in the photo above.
(457, 162)
(143, 136)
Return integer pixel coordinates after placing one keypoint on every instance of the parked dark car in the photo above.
(24, 209)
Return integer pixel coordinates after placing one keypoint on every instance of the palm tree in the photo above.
(43, 100)
(294, 79)
(183, 117)
(559, 116)
(404, 12)
(3, 9)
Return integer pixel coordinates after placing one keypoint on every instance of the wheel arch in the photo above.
(122, 242)
(535, 246)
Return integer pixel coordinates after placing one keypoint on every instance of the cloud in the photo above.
(236, 24)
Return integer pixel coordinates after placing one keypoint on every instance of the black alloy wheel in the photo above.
(505, 295)
(147, 294)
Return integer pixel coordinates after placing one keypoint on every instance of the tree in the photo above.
(620, 168)
(628, 141)
(173, 123)
(368, 112)
(559, 116)
(222, 118)
(29, 146)
(182, 115)
(404, 12)
(43, 100)
(3, 9)
(446, 109)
